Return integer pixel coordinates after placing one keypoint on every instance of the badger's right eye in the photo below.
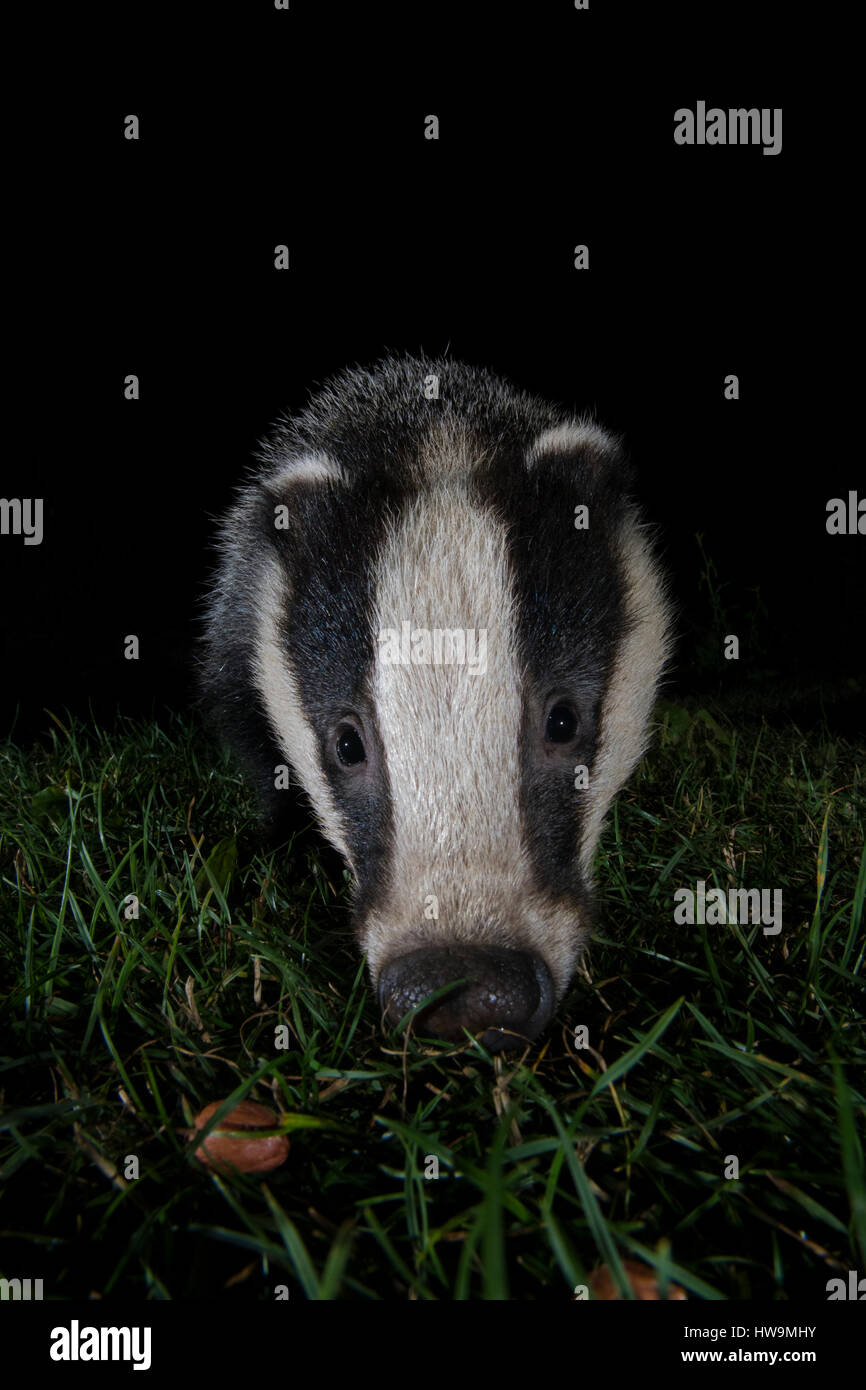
(350, 749)
(561, 724)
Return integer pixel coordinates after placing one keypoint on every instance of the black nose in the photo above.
(507, 995)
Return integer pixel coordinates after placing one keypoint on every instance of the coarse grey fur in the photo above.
(427, 492)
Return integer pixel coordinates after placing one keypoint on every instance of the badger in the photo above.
(436, 602)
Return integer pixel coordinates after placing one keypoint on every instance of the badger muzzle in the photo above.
(504, 996)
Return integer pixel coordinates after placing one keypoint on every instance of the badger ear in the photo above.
(315, 468)
(293, 486)
(581, 438)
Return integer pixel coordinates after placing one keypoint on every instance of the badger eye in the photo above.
(561, 724)
(350, 749)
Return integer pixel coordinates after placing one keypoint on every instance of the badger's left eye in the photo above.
(350, 748)
(561, 724)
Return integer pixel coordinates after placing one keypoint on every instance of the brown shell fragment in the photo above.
(642, 1278)
(248, 1153)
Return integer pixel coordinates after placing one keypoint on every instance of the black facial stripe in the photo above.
(328, 555)
(571, 621)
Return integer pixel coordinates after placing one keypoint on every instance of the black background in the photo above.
(306, 127)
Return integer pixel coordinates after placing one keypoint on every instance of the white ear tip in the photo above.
(314, 468)
(565, 438)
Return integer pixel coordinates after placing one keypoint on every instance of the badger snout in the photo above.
(506, 996)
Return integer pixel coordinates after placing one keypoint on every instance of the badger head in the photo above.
(458, 664)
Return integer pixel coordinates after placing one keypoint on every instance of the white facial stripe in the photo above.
(451, 738)
(282, 697)
(452, 745)
(631, 691)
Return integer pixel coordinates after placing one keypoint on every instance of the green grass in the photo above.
(705, 1042)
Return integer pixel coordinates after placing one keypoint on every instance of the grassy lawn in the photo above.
(705, 1042)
